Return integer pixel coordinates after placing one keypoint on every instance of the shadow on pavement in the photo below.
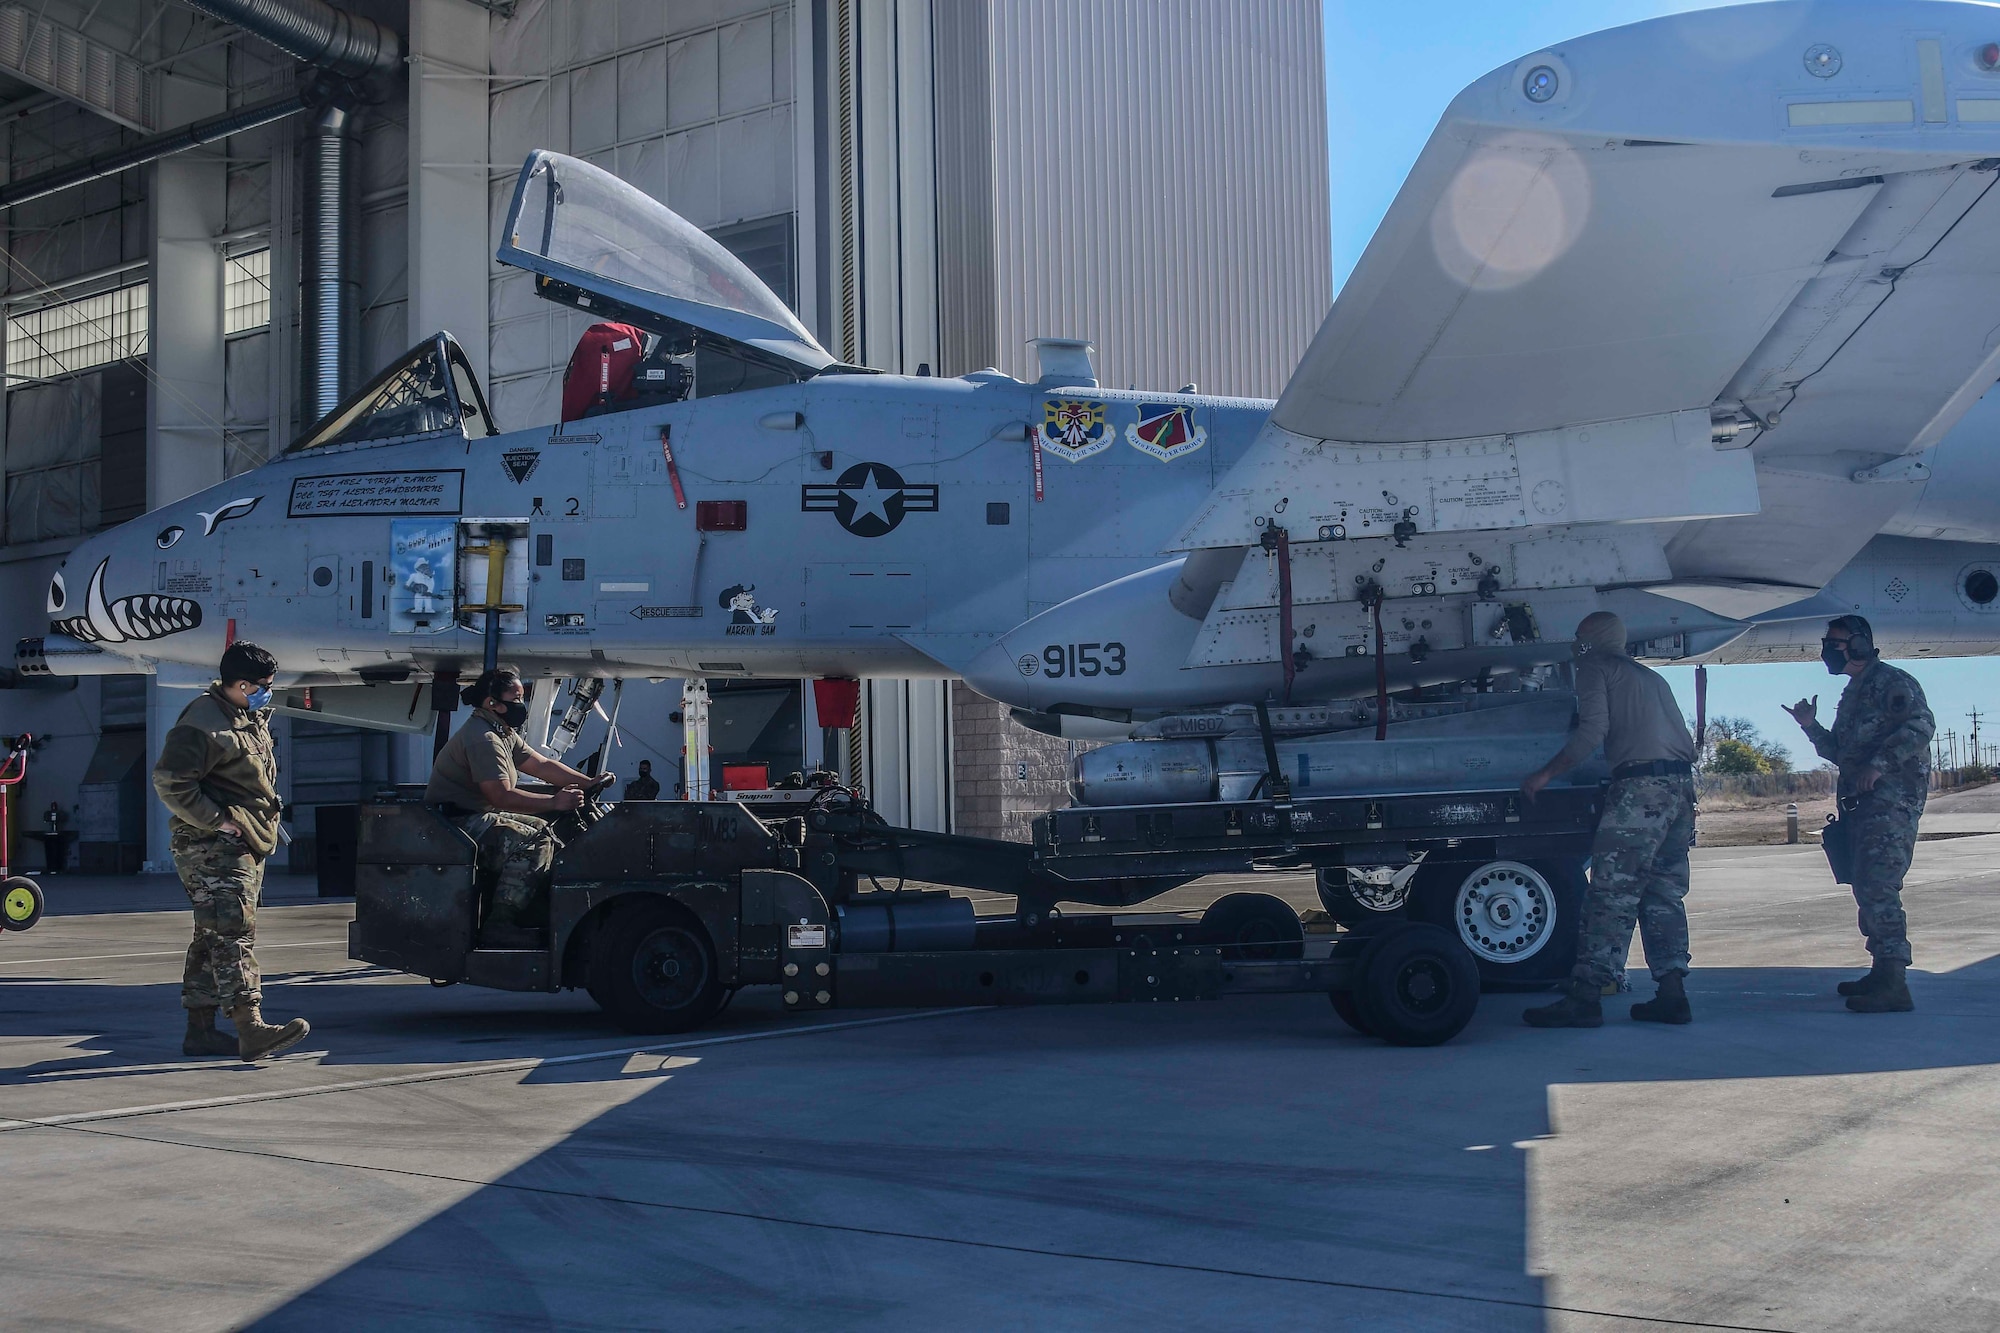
(1038, 1170)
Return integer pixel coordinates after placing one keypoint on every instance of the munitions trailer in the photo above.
(660, 910)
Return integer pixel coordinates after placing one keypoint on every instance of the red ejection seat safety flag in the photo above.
(601, 368)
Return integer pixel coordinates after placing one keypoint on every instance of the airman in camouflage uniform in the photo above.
(476, 780)
(217, 775)
(1639, 859)
(1881, 740)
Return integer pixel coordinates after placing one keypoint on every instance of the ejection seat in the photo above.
(614, 370)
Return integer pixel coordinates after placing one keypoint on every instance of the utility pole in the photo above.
(1977, 758)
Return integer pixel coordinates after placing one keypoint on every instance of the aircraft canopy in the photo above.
(430, 388)
(576, 224)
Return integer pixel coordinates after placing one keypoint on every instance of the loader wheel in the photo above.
(1349, 1010)
(1418, 985)
(1253, 925)
(653, 970)
(20, 903)
(1350, 947)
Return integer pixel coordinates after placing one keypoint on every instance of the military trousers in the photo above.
(1638, 873)
(223, 879)
(518, 851)
(1885, 838)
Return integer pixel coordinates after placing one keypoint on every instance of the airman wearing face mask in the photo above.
(217, 775)
(1881, 741)
(476, 781)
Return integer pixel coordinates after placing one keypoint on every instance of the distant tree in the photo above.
(1731, 739)
(1734, 758)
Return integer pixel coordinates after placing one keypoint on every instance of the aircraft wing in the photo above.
(1770, 229)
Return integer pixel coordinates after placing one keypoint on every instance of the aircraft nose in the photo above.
(104, 593)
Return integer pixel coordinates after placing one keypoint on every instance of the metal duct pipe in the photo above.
(149, 150)
(323, 267)
(346, 46)
(315, 32)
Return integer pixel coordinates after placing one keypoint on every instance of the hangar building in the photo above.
(929, 183)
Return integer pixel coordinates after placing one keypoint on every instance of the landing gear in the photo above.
(653, 970)
(1254, 925)
(21, 903)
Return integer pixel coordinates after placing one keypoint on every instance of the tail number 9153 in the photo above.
(1083, 659)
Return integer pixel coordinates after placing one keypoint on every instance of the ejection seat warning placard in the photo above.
(350, 493)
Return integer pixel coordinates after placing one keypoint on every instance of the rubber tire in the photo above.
(14, 890)
(1349, 1010)
(1434, 899)
(1252, 926)
(616, 958)
(1418, 953)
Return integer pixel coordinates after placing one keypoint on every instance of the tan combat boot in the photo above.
(256, 1039)
(202, 1037)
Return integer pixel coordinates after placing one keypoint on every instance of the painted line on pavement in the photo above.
(8, 1124)
(157, 953)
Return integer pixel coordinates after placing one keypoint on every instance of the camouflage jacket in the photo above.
(1883, 723)
(218, 764)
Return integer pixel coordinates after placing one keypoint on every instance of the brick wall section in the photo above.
(1004, 774)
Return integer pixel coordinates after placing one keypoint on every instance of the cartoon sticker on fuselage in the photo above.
(422, 554)
(745, 616)
(1075, 428)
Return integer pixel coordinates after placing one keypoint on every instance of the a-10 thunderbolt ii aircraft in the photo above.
(1675, 320)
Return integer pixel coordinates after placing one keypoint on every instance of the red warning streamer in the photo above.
(673, 473)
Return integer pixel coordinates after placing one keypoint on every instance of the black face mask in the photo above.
(1834, 655)
(513, 714)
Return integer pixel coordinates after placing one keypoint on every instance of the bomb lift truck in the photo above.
(660, 910)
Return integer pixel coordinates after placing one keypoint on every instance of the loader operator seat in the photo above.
(613, 368)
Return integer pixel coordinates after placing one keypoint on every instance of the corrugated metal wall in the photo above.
(967, 325)
(1161, 186)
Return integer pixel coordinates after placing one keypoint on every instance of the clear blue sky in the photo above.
(1391, 69)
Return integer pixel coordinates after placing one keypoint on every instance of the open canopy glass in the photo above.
(576, 224)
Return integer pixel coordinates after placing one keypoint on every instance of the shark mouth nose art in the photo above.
(145, 616)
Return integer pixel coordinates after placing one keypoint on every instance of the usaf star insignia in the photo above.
(869, 499)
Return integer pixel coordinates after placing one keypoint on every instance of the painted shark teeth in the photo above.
(140, 617)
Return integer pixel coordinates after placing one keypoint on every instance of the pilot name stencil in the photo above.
(351, 493)
(869, 499)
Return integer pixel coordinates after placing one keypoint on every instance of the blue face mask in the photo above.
(257, 699)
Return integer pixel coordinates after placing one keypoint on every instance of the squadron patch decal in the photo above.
(1166, 431)
(1074, 428)
(869, 499)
